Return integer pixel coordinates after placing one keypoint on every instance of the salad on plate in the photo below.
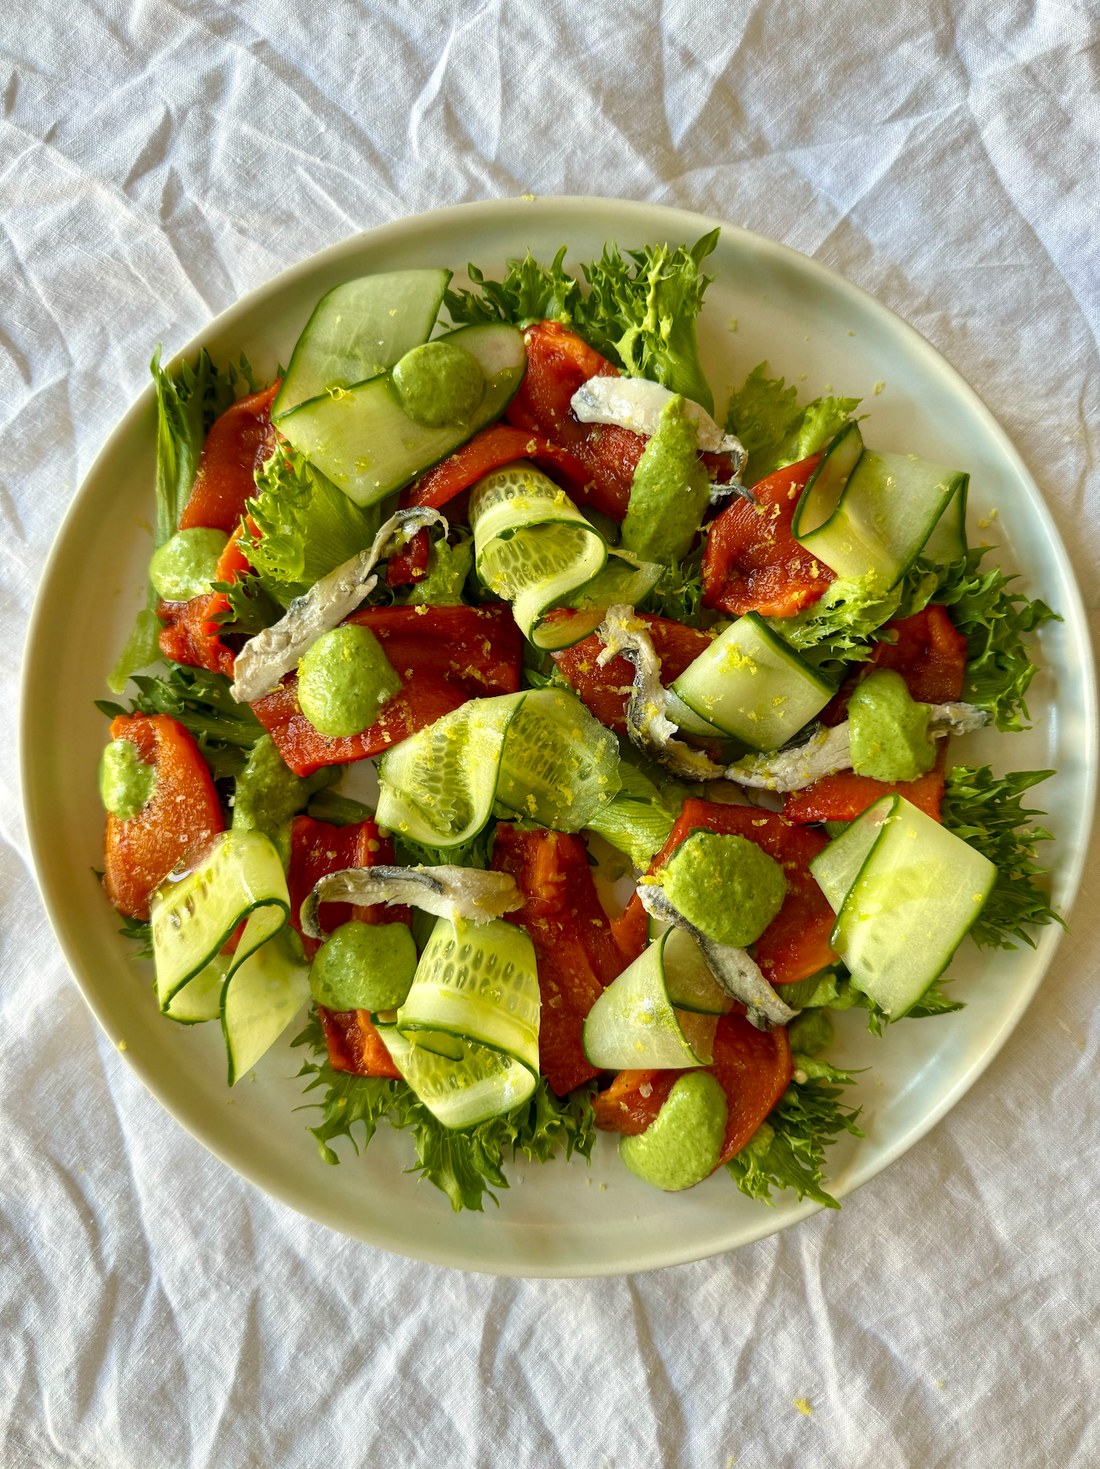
(661, 711)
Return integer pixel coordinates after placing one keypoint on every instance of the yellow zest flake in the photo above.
(421, 610)
(733, 324)
(762, 822)
(804, 1406)
(791, 493)
(878, 388)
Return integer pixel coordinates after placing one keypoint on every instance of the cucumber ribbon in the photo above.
(535, 549)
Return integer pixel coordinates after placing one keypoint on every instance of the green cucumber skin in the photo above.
(339, 434)
(870, 847)
(864, 534)
(407, 303)
(241, 877)
(712, 691)
(479, 984)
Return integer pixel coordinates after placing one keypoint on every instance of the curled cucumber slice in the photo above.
(868, 514)
(476, 983)
(481, 1084)
(905, 891)
(534, 548)
(240, 877)
(634, 1026)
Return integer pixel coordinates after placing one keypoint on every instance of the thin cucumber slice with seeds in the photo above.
(559, 765)
(461, 1092)
(260, 999)
(240, 877)
(476, 983)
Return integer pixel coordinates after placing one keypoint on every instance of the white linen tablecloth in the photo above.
(157, 159)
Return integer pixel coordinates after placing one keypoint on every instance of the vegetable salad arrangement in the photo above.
(583, 630)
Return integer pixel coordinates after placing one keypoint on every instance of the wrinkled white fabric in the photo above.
(159, 159)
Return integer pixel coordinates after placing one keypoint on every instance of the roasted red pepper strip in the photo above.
(316, 849)
(558, 362)
(445, 655)
(605, 691)
(846, 795)
(752, 1066)
(796, 942)
(186, 636)
(410, 564)
(181, 815)
(930, 655)
(191, 635)
(354, 1044)
(238, 443)
(752, 562)
(491, 449)
(574, 947)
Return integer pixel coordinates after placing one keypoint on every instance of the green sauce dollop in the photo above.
(364, 966)
(725, 885)
(267, 794)
(888, 729)
(680, 1147)
(439, 384)
(126, 783)
(669, 492)
(185, 565)
(811, 1031)
(344, 680)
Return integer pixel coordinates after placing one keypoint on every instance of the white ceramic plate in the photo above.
(561, 1219)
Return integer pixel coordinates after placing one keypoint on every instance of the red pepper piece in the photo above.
(930, 655)
(491, 449)
(846, 795)
(796, 942)
(238, 443)
(410, 564)
(191, 635)
(445, 655)
(752, 1066)
(605, 691)
(752, 562)
(316, 849)
(181, 815)
(574, 947)
(354, 1044)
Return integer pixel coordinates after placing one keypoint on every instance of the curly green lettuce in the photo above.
(307, 526)
(188, 401)
(987, 812)
(775, 431)
(465, 1164)
(639, 311)
(788, 1149)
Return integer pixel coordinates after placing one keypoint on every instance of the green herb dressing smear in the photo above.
(126, 783)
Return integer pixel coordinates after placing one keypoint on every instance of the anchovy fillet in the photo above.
(827, 751)
(448, 892)
(647, 721)
(735, 970)
(635, 403)
(277, 650)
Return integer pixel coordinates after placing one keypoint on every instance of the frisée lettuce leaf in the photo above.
(765, 416)
(639, 311)
(464, 1164)
(788, 1149)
